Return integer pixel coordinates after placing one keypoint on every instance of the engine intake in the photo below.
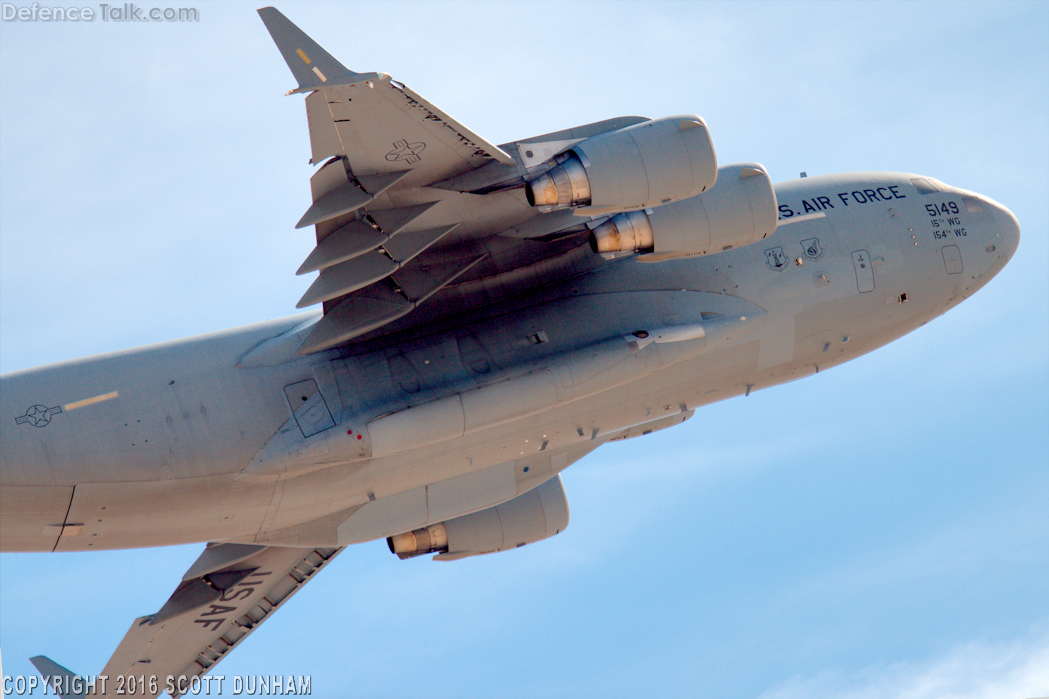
(739, 211)
(644, 165)
(538, 514)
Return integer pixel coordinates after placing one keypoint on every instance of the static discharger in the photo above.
(91, 401)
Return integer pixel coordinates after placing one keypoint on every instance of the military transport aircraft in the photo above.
(489, 315)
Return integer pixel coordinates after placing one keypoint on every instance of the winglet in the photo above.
(312, 66)
(60, 679)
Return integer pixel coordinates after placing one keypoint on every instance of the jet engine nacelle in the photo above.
(739, 210)
(538, 514)
(644, 165)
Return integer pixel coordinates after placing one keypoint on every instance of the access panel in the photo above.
(307, 403)
(952, 259)
(861, 260)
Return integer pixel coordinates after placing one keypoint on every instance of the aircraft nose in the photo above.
(1008, 228)
(999, 249)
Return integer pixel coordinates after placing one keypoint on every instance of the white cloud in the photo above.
(978, 670)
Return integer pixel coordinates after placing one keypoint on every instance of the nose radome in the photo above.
(1008, 228)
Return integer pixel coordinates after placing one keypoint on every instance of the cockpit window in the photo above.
(927, 185)
(972, 204)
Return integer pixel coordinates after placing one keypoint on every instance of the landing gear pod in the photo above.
(533, 516)
(644, 165)
(739, 211)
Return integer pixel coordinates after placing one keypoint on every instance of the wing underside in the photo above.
(411, 207)
(224, 596)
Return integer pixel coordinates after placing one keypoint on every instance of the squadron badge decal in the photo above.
(812, 248)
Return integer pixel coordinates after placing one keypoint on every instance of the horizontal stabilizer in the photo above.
(312, 66)
(60, 679)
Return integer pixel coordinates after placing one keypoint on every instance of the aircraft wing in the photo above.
(366, 117)
(412, 207)
(223, 597)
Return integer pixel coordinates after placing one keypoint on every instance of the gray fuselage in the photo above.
(205, 439)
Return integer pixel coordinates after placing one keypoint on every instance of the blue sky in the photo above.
(878, 530)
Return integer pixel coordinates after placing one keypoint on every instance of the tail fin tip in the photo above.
(311, 65)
